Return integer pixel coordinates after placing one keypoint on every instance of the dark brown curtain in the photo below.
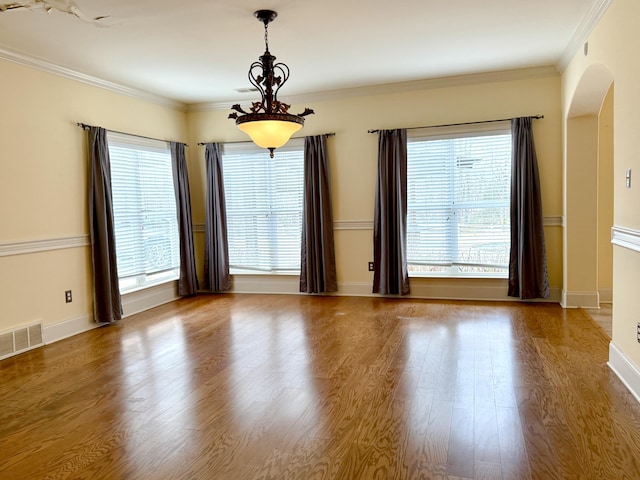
(107, 305)
(528, 276)
(390, 217)
(216, 247)
(188, 281)
(318, 258)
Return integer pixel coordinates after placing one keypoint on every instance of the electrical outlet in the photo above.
(67, 296)
(628, 177)
(638, 337)
(371, 266)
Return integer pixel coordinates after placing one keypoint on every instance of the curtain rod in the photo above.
(537, 117)
(84, 126)
(331, 134)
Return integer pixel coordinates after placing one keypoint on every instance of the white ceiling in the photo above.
(195, 51)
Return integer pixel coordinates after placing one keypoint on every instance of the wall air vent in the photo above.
(20, 340)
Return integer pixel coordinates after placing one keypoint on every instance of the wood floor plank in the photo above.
(513, 452)
(461, 449)
(306, 387)
(542, 456)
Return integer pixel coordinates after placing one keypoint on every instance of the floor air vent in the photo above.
(20, 340)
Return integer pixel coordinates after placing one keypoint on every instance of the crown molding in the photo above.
(400, 87)
(387, 88)
(589, 22)
(44, 66)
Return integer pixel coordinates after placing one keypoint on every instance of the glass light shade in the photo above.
(270, 133)
(270, 130)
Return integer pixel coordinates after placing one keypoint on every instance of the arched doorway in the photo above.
(588, 191)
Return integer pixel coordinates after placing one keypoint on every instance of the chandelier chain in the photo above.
(266, 36)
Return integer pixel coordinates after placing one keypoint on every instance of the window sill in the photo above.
(262, 272)
(147, 286)
(458, 277)
(148, 297)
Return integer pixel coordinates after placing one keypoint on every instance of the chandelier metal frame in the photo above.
(268, 77)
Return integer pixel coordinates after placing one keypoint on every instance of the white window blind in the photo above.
(264, 206)
(458, 221)
(144, 210)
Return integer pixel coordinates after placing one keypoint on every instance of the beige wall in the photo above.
(43, 169)
(43, 174)
(605, 197)
(353, 157)
(43, 185)
(588, 206)
(581, 212)
(613, 47)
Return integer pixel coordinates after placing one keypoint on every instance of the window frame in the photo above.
(452, 270)
(272, 211)
(141, 280)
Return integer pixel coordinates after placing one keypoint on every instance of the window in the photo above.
(458, 220)
(264, 207)
(144, 211)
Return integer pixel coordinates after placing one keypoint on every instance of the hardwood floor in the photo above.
(305, 387)
(602, 316)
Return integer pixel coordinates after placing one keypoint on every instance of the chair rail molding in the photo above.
(626, 237)
(553, 221)
(45, 245)
(353, 225)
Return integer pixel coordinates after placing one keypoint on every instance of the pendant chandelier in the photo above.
(269, 123)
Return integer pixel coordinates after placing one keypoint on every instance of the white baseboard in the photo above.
(435, 289)
(580, 299)
(142, 300)
(269, 284)
(606, 295)
(136, 302)
(131, 303)
(68, 328)
(626, 371)
(470, 291)
(447, 290)
(355, 289)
